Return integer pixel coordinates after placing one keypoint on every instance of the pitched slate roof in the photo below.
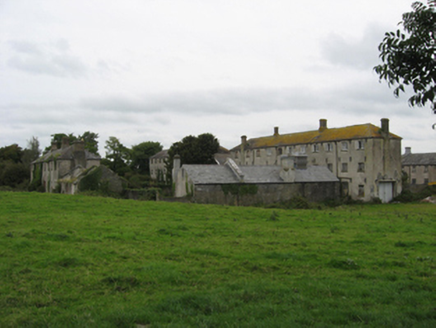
(66, 153)
(220, 157)
(322, 135)
(259, 174)
(161, 154)
(419, 159)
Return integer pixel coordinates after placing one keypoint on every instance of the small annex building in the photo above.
(158, 170)
(231, 184)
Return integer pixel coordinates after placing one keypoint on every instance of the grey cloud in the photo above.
(364, 96)
(361, 54)
(52, 59)
(25, 47)
(229, 102)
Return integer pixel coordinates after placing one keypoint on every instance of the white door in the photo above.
(385, 190)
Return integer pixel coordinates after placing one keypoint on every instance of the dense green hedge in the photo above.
(92, 180)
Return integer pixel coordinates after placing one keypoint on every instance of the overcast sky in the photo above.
(159, 70)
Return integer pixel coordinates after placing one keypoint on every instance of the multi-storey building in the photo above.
(366, 158)
(158, 170)
(57, 163)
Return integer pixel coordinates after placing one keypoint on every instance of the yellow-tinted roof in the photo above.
(345, 133)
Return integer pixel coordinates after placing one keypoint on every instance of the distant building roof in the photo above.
(66, 153)
(419, 159)
(320, 135)
(222, 174)
(161, 154)
(220, 157)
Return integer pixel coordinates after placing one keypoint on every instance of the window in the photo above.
(328, 147)
(280, 151)
(330, 167)
(360, 144)
(303, 149)
(361, 191)
(426, 169)
(361, 167)
(413, 169)
(425, 181)
(247, 153)
(315, 148)
(237, 154)
(413, 181)
(345, 145)
(269, 151)
(344, 167)
(258, 153)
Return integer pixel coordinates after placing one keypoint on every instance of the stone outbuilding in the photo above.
(256, 184)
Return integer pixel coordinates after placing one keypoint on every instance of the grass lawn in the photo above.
(76, 261)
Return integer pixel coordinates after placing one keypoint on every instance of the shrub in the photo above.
(299, 202)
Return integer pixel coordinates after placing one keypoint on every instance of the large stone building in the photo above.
(420, 168)
(365, 158)
(58, 163)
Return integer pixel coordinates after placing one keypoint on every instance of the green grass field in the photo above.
(76, 261)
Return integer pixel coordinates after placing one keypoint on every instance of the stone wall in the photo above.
(264, 193)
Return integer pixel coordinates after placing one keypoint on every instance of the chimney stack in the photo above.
(65, 142)
(276, 131)
(244, 140)
(408, 151)
(385, 126)
(177, 163)
(79, 153)
(54, 146)
(322, 124)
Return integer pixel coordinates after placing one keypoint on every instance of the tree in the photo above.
(11, 153)
(31, 153)
(57, 139)
(12, 171)
(140, 156)
(91, 143)
(409, 58)
(117, 156)
(193, 150)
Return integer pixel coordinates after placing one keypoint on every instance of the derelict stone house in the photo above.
(420, 168)
(57, 163)
(256, 184)
(158, 169)
(365, 158)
